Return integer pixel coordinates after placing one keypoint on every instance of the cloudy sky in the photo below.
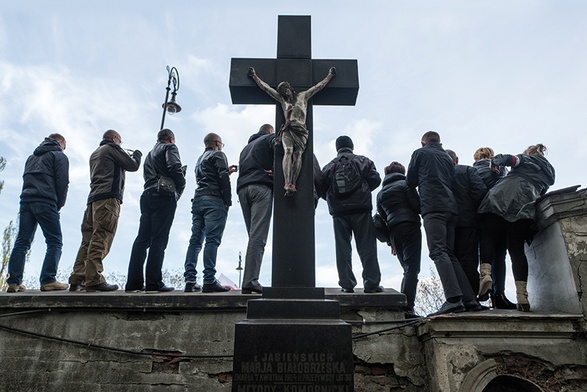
(485, 73)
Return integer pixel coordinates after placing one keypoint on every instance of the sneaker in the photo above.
(215, 287)
(53, 286)
(15, 288)
(448, 307)
(378, 289)
(101, 287)
(192, 287)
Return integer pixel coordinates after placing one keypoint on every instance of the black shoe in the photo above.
(257, 289)
(101, 287)
(192, 287)
(410, 314)
(448, 307)
(347, 290)
(215, 287)
(474, 306)
(378, 289)
(129, 290)
(162, 289)
(77, 287)
(500, 301)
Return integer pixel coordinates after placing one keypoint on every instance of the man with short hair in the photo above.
(431, 170)
(44, 190)
(108, 165)
(255, 193)
(469, 190)
(210, 205)
(351, 214)
(162, 165)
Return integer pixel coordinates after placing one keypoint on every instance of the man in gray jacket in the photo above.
(44, 190)
(108, 165)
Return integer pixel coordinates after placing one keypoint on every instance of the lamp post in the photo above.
(172, 107)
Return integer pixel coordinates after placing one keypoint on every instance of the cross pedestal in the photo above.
(293, 336)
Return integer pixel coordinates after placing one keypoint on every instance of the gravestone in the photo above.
(293, 339)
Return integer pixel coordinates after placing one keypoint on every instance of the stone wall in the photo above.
(184, 342)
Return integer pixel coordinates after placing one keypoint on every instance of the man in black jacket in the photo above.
(108, 166)
(351, 214)
(469, 190)
(255, 194)
(432, 171)
(209, 212)
(46, 180)
(157, 213)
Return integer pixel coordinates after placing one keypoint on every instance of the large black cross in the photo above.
(293, 218)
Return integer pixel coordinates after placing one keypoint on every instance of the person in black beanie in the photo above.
(346, 184)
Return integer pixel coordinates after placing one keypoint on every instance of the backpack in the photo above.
(346, 178)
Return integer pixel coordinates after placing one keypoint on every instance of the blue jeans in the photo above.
(157, 213)
(30, 215)
(208, 220)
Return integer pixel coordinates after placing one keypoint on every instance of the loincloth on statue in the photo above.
(297, 134)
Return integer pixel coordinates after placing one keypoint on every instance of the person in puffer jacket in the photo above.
(44, 190)
(510, 207)
(399, 205)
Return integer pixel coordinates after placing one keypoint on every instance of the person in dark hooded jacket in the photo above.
(44, 190)
(399, 205)
(255, 194)
(510, 207)
(351, 214)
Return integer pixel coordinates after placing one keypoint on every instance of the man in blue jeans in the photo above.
(209, 209)
(255, 194)
(46, 180)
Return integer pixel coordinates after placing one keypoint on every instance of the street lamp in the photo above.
(172, 107)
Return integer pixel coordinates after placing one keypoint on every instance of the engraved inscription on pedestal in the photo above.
(293, 356)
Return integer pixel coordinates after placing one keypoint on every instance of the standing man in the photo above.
(255, 194)
(44, 190)
(158, 203)
(209, 212)
(469, 190)
(347, 183)
(293, 135)
(108, 165)
(432, 170)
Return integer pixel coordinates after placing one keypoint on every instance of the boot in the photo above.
(485, 282)
(500, 301)
(522, 296)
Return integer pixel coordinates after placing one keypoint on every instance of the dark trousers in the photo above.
(157, 213)
(493, 248)
(361, 225)
(440, 235)
(406, 239)
(467, 253)
(516, 234)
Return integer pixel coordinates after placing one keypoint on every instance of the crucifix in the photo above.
(293, 218)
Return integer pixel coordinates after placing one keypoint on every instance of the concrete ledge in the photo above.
(178, 300)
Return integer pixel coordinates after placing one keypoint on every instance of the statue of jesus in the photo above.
(293, 135)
